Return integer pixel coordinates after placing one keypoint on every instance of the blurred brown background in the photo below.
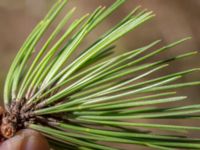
(174, 19)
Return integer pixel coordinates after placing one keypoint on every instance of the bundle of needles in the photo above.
(97, 99)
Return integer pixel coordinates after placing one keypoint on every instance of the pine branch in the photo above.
(96, 100)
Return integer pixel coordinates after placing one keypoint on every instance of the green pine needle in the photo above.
(92, 102)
